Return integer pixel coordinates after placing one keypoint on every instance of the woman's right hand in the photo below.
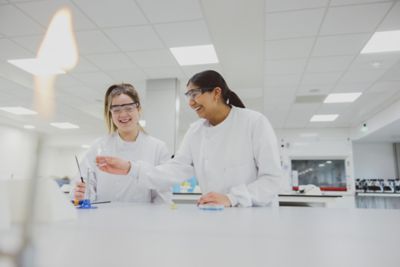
(79, 191)
(113, 165)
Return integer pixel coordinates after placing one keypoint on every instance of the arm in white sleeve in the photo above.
(162, 196)
(163, 176)
(264, 190)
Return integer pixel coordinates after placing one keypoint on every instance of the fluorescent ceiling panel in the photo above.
(18, 110)
(342, 98)
(29, 127)
(325, 117)
(36, 66)
(195, 55)
(64, 125)
(388, 41)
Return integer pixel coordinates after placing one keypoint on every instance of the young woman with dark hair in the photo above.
(232, 151)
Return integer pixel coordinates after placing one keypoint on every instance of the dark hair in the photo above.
(212, 79)
(115, 90)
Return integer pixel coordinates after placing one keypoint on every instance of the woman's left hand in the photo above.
(214, 198)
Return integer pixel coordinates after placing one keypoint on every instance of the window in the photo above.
(328, 174)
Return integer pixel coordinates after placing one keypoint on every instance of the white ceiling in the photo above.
(270, 52)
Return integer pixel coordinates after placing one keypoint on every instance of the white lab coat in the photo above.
(122, 187)
(238, 157)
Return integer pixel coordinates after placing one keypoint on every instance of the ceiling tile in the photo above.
(249, 92)
(66, 80)
(286, 25)
(290, 48)
(315, 89)
(294, 66)
(164, 72)
(300, 115)
(393, 74)
(184, 33)
(43, 11)
(135, 38)
(340, 45)
(280, 94)
(392, 20)
(153, 58)
(172, 10)
(84, 66)
(21, 24)
(83, 92)
(112, 61)
(256, 104)
(385, 86)
(131, 75)
(31, 43)
(351, 87)
(368, 61)
(353, 19)
(279, 5)
(329, 64)
(351, 2)
(321, 78)
(112, 13)
(362, 76)
(94, 79)
(276, 117)
(282, 80)
(91, 42)
(9, 50)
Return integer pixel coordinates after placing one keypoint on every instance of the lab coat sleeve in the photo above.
(162, 196)
(163, 176)
(264, 190)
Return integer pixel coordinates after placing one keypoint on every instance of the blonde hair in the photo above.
(115, 90)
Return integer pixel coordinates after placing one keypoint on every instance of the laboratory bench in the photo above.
(126, 234)
(286, 199)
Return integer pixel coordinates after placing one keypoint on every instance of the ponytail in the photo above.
(232, 99)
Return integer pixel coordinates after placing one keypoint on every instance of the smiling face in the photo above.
(125, 113)
(203, 102)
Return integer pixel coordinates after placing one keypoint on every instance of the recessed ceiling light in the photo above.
(35, 66)
(64, 125)
(195, 55)
(85, 146)
(376, 64)
(388, 41)
(29, 126)
(315, 90)
(325, 117)
(342, 98)
(18, 110)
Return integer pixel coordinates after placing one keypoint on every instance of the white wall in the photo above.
(58, 153)
(17, 152)
(374, 160)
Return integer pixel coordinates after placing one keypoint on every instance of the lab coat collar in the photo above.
(122, 144)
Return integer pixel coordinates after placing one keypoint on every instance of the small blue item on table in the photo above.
(86, 204)
(211, 207)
